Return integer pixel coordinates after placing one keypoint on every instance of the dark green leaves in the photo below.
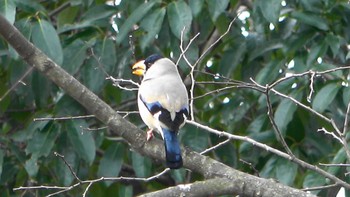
(74, 56)
(325, 97)
(311, 19)
(45, 37)
(82, 141)
(135, 17)
(8, 9)
(152, 24)
(180, 17)
(111, 162)
(285, 112)
(216, 8)
(270, 9)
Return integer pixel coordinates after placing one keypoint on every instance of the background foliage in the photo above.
(89, 38)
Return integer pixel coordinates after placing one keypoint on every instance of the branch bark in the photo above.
(240, 183)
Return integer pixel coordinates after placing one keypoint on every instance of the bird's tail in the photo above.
(172, 149)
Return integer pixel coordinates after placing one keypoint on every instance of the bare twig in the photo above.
(19, 81)
(278, 132)
(331, 134)
(215, 147)
(64, 118)
(90, 182)
(320, 187)
(68, 165)
(183, 51)
(334, 164)
(116, 82)
(274, 151)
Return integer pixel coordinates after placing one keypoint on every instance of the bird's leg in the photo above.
(149, 134)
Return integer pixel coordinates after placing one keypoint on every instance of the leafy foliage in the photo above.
(91, 39)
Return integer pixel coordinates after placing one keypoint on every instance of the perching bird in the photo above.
(163, 103)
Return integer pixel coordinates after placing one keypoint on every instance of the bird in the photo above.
(163, 103)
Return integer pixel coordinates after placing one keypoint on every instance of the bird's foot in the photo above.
(149, 134)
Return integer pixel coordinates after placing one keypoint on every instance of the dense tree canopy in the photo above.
(268, 82)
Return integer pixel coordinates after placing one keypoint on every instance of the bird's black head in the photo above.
(151, 59)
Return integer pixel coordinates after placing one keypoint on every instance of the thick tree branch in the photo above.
(222, 186)
(244, 183)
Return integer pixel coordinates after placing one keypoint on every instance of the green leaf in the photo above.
(231, 59)
(74, 56)
(333, 42)
(317, 50)
(98, 12)
(8, 10)
(111, 162)
(265, 47)
(179, 17)
(43, 141)
(29, 6)
(286, 171)
(194, 138)
(346, 95)
(340, 157)
(285, 112)
(196, 6)
(41, 89)
(311, 19)
(141, 165)
(270, 9)
(134, 18)
(45, 37)
(313, 179)
(281, 169)
(2, 154)
(269, 73)
(325, 97)
(29, 131)
(216, 8)
(32, 166)
(82, 142)
(107, 53)
(152, 25)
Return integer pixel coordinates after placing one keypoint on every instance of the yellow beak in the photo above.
(139, 68)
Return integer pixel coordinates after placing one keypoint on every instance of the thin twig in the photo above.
(116, 82)
(278, 132)
(334, 164)
(68, 165)
(64, 118)
(331, 134)
(272, 150)
(183, 51)
(320, 187)
(215, 147)
(17, 82)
